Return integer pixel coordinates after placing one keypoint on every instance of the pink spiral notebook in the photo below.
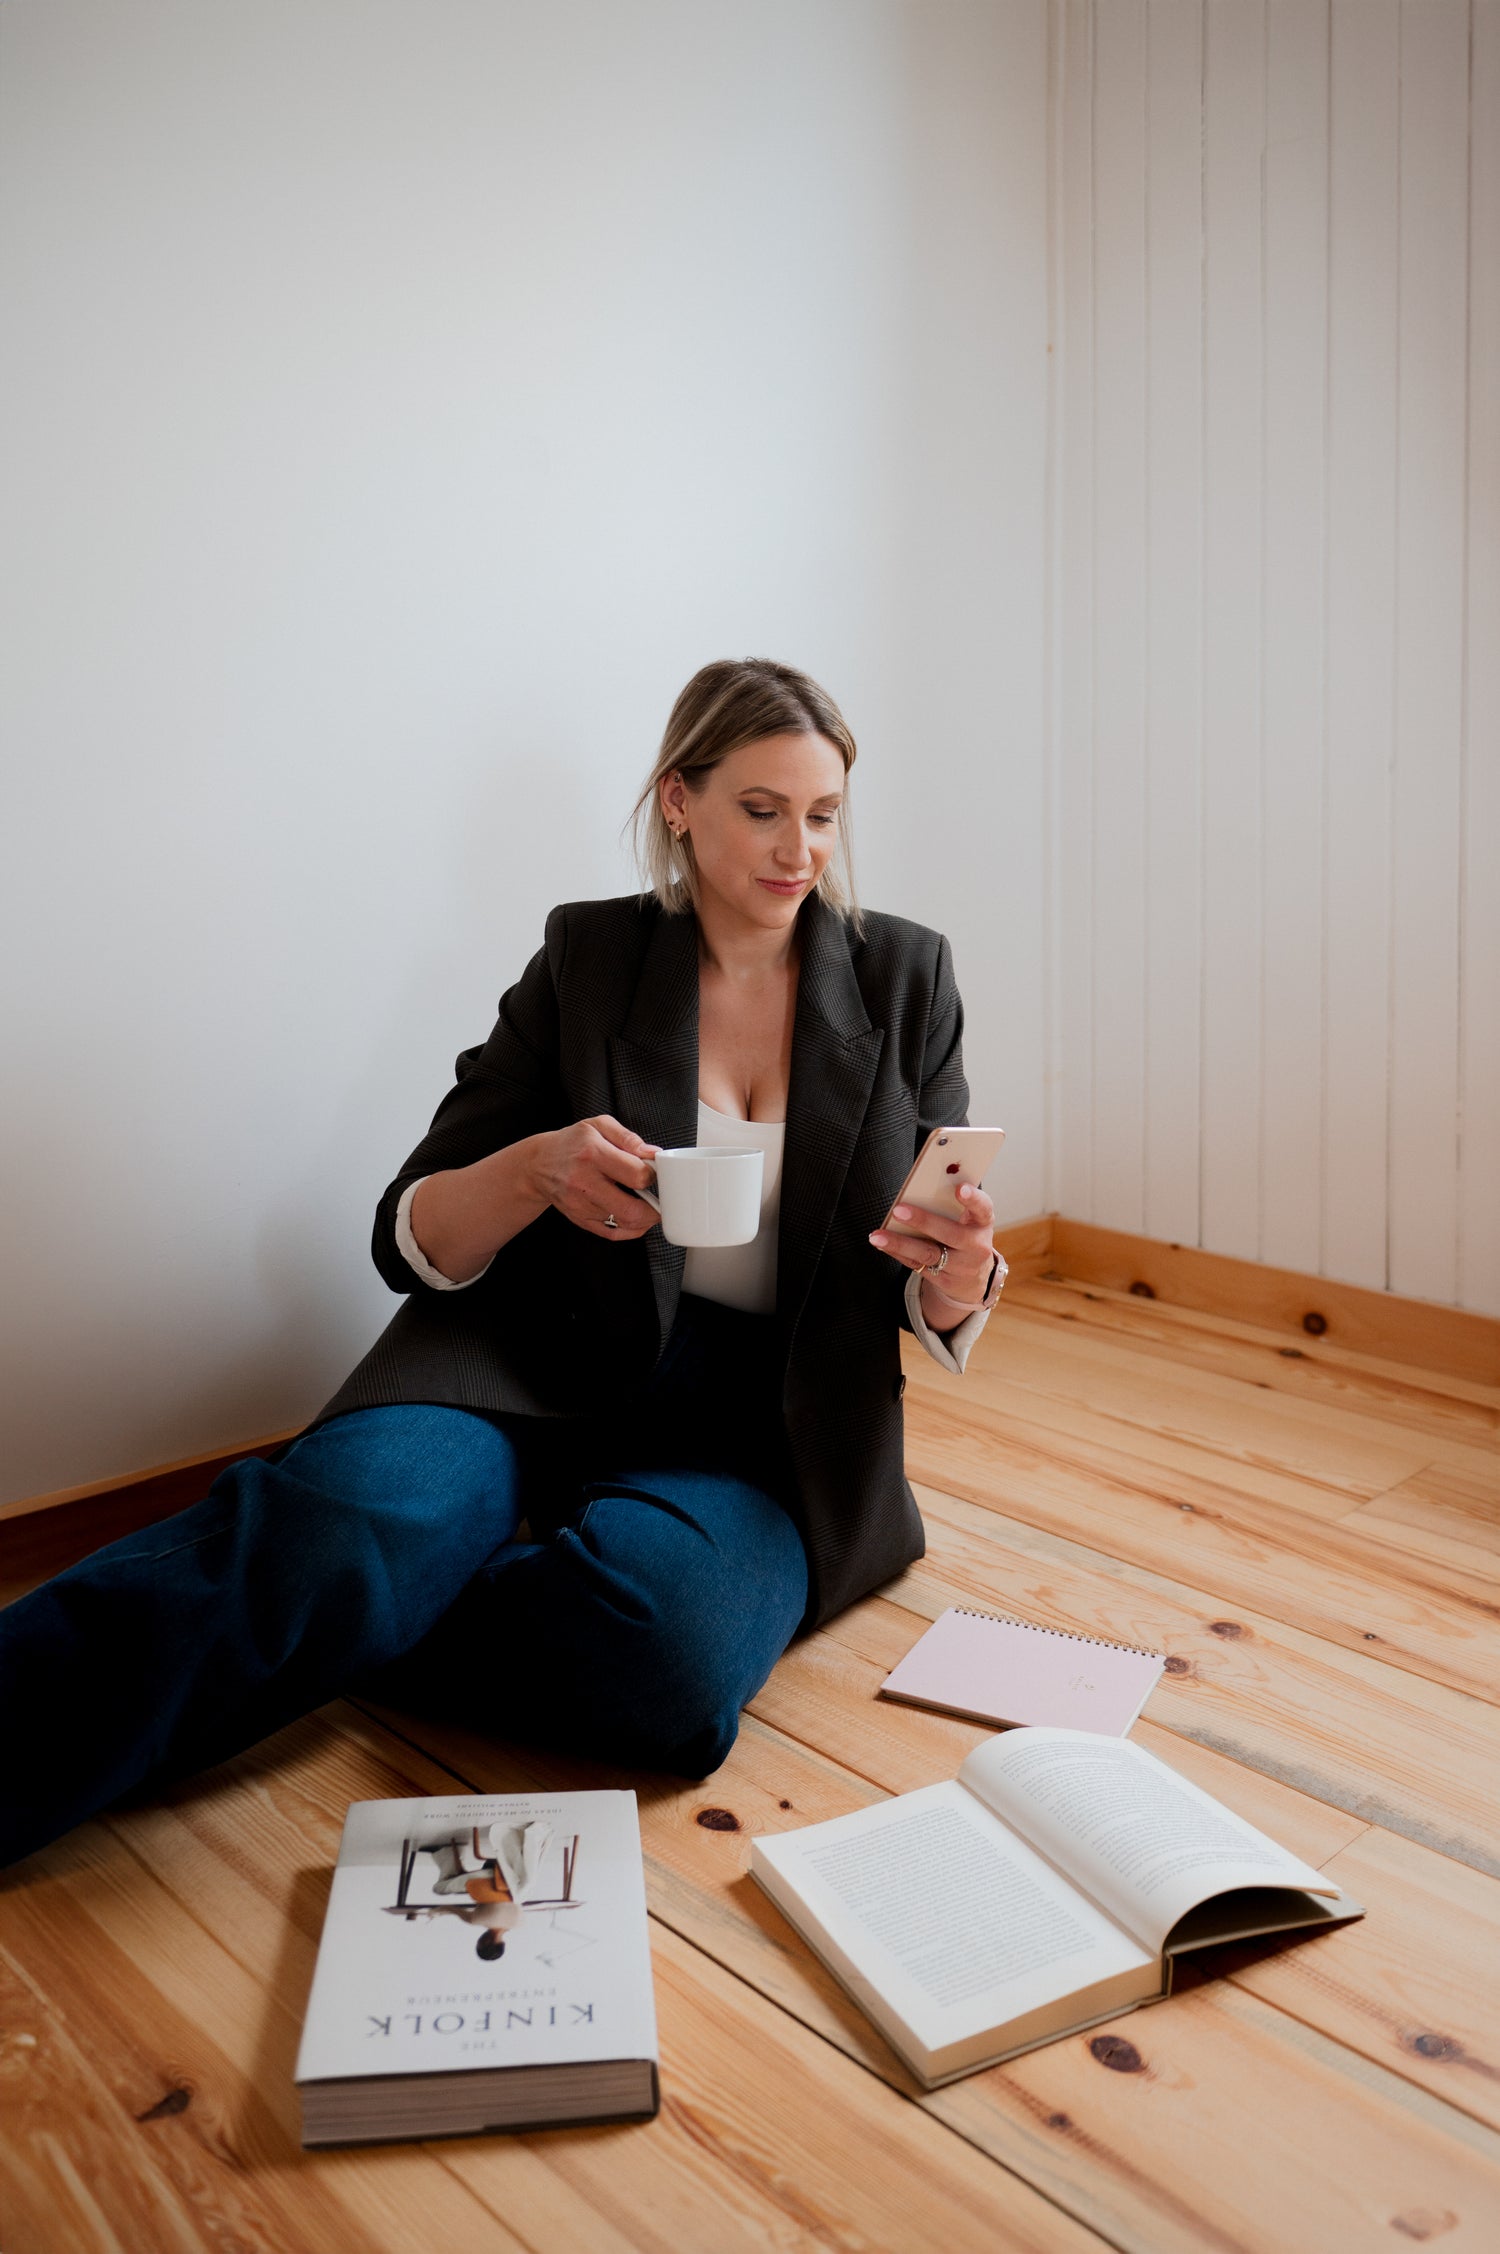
(992, 1669)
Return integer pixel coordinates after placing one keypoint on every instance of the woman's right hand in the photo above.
(589, 1172)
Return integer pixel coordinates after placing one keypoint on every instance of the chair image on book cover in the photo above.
(403, 1907)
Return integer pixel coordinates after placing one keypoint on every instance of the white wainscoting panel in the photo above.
(1276, 593)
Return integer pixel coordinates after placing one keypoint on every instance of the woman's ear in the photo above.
(674, 802)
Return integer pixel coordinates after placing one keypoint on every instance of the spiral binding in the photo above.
(1009, 1620)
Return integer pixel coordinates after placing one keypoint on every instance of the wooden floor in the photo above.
(1314, 1537)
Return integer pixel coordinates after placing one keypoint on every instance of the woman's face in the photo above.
(763, 826)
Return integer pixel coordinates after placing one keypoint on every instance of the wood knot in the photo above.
(175, 2101)
(1177, 1666)
(717, 1819)
(1229, 1629)
(1291, 1353)
(1314, 1323)
(1139, 1290)
(1059, 2120)
(1424, 2222)
(783, 1803)
(1434, 2046)
(1119, 2056)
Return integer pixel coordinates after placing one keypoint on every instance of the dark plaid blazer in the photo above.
(605, 1019)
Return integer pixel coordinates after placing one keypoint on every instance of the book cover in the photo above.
(480, 1934)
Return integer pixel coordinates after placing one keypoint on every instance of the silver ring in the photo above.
(610, 1222)
(936, 1267)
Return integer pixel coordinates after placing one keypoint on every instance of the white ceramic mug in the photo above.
(707, 1196)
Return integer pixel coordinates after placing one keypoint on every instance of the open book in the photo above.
(1051, 1885)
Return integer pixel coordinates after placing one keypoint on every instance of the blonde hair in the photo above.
(733, 702)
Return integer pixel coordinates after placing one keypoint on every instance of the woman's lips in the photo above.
(797, 884)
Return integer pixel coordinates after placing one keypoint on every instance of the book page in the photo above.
(955, 1920)
(1143, 1841)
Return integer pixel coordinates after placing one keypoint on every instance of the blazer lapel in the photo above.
(835, 1050)
(653, 1071)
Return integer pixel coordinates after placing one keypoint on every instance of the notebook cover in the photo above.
(999, 1670)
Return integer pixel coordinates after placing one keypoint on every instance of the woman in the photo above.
(586, 1487)
(495, 1884)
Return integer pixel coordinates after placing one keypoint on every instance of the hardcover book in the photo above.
(1052, 1884)
(484, 1965)
(993, 1669)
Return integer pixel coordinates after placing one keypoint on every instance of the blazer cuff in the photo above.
(412, 1253)
(949, 1349)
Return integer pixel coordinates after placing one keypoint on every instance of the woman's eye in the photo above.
(760, 814)
(824, 821)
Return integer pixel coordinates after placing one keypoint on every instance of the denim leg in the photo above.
(189, 1640)
(636, 1635)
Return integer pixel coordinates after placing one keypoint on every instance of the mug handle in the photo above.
(649, 1196)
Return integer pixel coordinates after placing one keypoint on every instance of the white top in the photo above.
(739, 1275)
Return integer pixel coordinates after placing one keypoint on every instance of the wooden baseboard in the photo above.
(1027, 1246)
(176, 1484)
(1415, 1331)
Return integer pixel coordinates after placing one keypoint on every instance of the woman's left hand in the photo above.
(969, 1244)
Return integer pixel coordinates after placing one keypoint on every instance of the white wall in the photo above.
(1275, 764)
(399, 402)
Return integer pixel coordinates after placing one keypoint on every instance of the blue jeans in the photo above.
(381, 1552)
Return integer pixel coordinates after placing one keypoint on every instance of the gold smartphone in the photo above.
(950, 1157)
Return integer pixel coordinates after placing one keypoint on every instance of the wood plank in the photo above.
(1479, 895)
(1428, 657)
(1294, 291)
(1117, 870)
(1071, 861)
(1362, 543)
(1324, 1447)
(1233, 722)
(1420, 1403)
(777, 2131)
(1389, 1747)
(1403, 1989)
(1172, 892)
(1295, 2141)
(1331, 1580)
(1077, 1434)
(1448, 1339)
(1420, 1541)
(1440, 1500)
(63, 2179)
(1315, 1441)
